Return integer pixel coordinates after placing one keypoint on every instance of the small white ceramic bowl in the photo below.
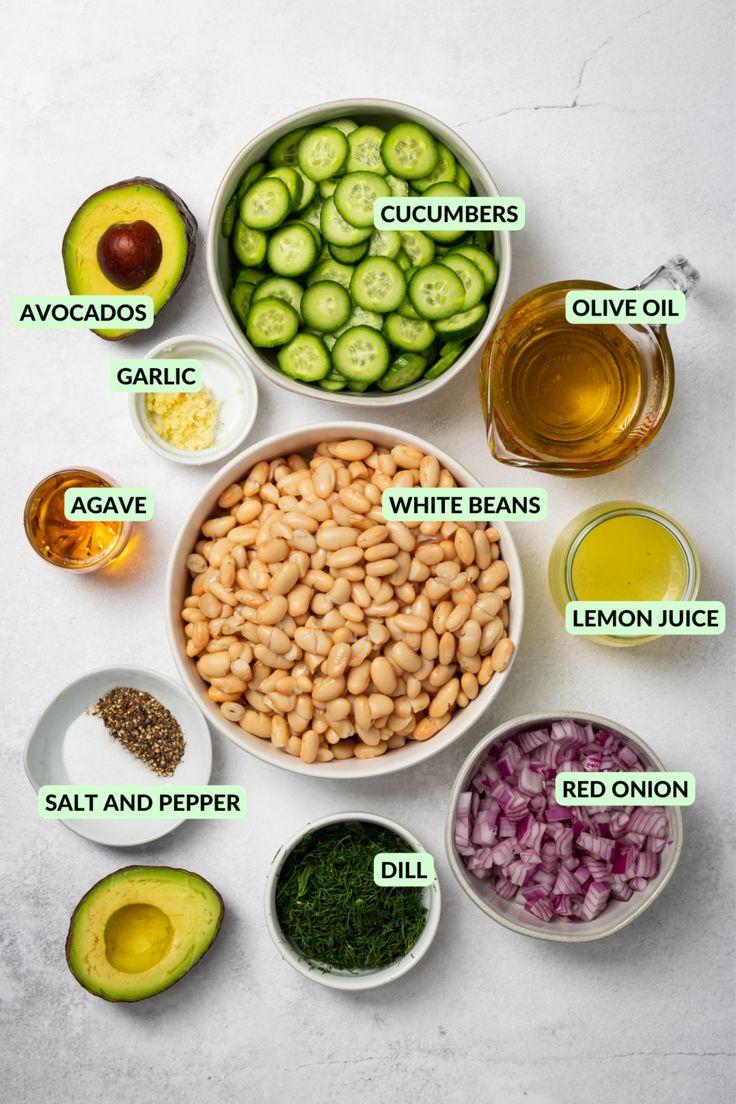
(177, 588)
(617, 914)
(342, 979)
(43, 756)
(383, 113)
(228, 375)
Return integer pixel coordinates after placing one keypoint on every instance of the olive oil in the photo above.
(575, 399)
(82, 545)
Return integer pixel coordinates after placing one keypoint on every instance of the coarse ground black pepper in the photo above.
(144, 726)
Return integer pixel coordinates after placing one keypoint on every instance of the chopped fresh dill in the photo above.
(332, 911)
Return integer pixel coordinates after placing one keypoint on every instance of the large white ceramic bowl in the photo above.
(343, 979)
(511, 914)
(177, 584)
(382, 113)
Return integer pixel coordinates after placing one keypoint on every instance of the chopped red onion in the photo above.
(558, 862)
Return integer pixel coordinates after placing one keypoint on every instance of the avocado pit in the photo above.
(129, 253)
(137, 937)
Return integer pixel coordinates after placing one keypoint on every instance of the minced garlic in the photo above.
(187, 420)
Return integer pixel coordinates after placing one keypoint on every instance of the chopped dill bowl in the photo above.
(328, 917)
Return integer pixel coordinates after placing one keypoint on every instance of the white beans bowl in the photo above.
(382, 113)
(179, 582)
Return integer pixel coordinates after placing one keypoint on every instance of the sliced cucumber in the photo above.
(358, 388)
(305, 358)
(240, 300)
(279, 287)
(250, 276)
(284, 150)
(327, 188)
(331, 270)
(293, 181)
(361, 355)
(405, 370)
(445, 169)
(413, 335)
(255, 172)
(309, 191)
(325, 306)
(409, 151)
(271, 322)
(448, 355)
(249, 246)
(313, 230)
(360, 317)
(333, 383)
(355, 195)
(384, 243)
(484, 261)
(292, 250)
(364, 153)
(348, 254)
(321, 152)
(471, 276)
(463, 325)
(403, 260)
(398, 187)
(347, 126)
(228, 216)
(336, 230)
(265, 204)
(378, 284)
(405, 309)
(462, 179)
(418, 247)
(450, 189)
(311, 214)
(436, 292)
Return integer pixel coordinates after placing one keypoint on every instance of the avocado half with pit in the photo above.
(140, 929)
(135, 237)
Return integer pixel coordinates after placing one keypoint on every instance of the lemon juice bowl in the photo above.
(619, 551)
(383, 113)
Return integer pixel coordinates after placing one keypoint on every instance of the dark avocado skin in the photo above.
(190, 224)
(122, 870)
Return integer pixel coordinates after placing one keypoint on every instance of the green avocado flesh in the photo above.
(140, 929)
(131, 204)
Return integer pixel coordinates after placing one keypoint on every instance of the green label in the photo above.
(464, 504)
(449, 213)
(83, 312)
(644, 618)
(156, 375)
(108, 503)
(657, 308)
(624, 788)
(141, 802)
(403, 868)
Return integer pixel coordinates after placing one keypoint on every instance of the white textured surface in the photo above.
(614, 122)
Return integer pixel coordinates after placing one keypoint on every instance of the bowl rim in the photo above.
(381, 765)
(337, 108)
(371, 979)
(204, 736)
(211, 455)
(470, 764)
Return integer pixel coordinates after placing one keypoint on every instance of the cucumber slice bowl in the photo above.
(291, 243)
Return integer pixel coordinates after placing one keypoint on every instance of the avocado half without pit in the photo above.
(140, 929)
(136, 236)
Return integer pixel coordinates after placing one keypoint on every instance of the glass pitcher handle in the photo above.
(675, 273)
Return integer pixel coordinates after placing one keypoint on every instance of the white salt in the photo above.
(92, 757)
